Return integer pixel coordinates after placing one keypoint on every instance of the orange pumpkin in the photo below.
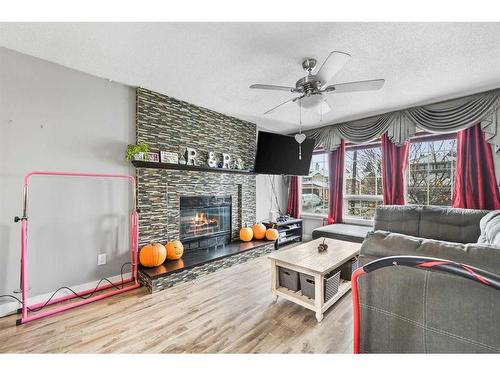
(259, 231)
(152, 255)
(272, 234)
(246, 234)
(175, 250)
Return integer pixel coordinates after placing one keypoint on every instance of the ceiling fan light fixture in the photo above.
(310, 101)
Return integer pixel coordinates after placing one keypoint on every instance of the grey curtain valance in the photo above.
(443, 117)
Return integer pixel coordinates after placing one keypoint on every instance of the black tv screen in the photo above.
(279, 154)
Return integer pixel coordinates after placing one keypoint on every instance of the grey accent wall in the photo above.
(168, 124)
(57, 119)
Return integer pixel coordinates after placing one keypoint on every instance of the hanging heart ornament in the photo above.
(300, 137)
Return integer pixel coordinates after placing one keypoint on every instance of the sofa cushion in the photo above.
(450, 224)
(490, 228)
(408, 310)
(344, 232)
(380, 244)
(397, 219)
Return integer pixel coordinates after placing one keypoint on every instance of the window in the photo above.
(432, 168)
(315, 186)
(363, 181)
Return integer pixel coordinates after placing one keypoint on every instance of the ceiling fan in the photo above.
(312, 87)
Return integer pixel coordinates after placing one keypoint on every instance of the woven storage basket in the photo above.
(332, 282)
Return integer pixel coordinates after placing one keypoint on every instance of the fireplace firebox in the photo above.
(205, 221)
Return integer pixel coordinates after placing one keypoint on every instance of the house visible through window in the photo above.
(315, 186)
(363, 181)
(432, 165)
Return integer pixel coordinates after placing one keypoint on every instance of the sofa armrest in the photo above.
(408, 310)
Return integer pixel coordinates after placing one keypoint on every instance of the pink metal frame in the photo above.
(134, 234)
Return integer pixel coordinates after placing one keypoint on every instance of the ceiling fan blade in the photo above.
(333, 63)
(280, 105)
(370, 85)
(272, 87)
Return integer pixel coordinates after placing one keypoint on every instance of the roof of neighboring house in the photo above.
(314, 183)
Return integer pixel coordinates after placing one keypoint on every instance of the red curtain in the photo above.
(293, 208)
(394, 164)
(336, 167)
(475, 182)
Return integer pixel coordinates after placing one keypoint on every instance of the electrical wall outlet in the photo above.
(101, 259)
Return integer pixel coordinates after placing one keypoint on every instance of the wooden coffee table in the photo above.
(305, 258)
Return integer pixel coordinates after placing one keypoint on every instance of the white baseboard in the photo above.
(12, 307)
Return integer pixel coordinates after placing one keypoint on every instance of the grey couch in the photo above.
(408, 310)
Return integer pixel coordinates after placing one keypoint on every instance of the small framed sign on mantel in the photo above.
(169, 157)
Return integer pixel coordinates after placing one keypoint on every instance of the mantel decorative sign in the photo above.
(226, 160)
(190, 155)
(212, 160)
(169, 157)
(153, 156)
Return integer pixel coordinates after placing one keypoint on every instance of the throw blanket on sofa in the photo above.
(490, 228)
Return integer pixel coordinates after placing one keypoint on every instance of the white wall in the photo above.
(57, 119)
(266, 200)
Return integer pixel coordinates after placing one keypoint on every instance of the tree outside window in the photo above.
(363, 181)
(315, 186)
(432, 166)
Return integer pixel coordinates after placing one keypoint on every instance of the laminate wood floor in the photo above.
(229, 311)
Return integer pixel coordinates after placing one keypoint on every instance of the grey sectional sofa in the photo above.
(408, 310)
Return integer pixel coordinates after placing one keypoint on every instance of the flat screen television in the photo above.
(279, 154)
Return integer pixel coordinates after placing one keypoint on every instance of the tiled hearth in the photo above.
(176, 272)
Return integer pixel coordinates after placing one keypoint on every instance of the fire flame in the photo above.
(200, 218)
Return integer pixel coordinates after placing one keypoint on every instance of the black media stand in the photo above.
(289, 231)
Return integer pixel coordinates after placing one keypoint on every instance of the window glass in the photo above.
(432, 168)
(363, 182)
(315, 186)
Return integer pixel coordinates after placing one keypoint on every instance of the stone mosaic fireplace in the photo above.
(159, 200)
(204, 209)
(168, 124)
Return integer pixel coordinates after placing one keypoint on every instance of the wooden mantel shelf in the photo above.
(183, 167)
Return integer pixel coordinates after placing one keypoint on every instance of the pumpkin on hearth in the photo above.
(259, 231)
(175, 250)
(272, 234)
(152, 255)
(246, 234)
